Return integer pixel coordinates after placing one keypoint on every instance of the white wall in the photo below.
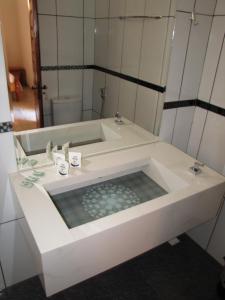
(197, 131)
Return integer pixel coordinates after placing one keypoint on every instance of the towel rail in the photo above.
(144, 17)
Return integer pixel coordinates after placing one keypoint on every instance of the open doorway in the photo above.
(19, 28)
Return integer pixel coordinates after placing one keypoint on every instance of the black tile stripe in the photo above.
(138, 81)
(135, 80)
(181, 103)
(66, 67)
(195, 102)
(6, 127)
(211, 107)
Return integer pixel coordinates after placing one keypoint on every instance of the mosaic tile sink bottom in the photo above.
(96, 201)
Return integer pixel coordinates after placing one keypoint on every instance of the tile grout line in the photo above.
(83, 74)
(200, 84)
(139, 62)
(92, 103)
(163, 65)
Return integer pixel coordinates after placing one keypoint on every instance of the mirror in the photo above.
(80, 60)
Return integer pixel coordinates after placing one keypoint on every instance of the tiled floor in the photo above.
(181, 272)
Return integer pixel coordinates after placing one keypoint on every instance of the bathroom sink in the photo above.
(117, 206)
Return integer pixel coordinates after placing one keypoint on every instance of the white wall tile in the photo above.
(131, 47)
(95, 116)
(102, 8)
(89, 8)
(146, 107)
(167, 125)
(101, 42)
(212, 56)
(89, 41)
(70, 50)
(48, 40)
(117, 8)
(217, 244)
(99, 82)
(183, 127)
(50, 79)
(220, 7)
(48, 120)
(88, 89)
(8, 209)
(15, 255)
(177, 60)
(112, 96)
(47, 107)
(201, 234)
(195, 58)
(87, 115)
(185, 5)
(46, 7)
(127, 99)
(153, 44)
(173, 7)
(70, 8)
(167, 52)
(213, 142)
(116, 28)
(134, 7)
(196, 131)
(70, 83)
(157, 7)
(205, 6)
(218, 94)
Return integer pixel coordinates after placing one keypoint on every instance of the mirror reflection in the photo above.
(82, 60)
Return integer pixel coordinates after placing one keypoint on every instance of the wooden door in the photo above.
(35, 45)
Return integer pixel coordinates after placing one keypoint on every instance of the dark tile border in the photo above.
(181, 103)
(195, 102)
(152, 86)
(211, 107)
(66, 67)
(6, 127)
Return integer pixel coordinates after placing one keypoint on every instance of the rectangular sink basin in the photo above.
(85, 134)
(83, 205)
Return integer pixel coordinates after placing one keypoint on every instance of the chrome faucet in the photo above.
(196, 169)
(118, 119)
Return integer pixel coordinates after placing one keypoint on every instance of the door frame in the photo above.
(36, 59)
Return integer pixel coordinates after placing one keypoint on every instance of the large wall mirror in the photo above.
(79, 60)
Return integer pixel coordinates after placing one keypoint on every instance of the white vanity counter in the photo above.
(67, 256)
(103, 243)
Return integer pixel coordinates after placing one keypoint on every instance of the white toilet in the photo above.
(66, 110)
